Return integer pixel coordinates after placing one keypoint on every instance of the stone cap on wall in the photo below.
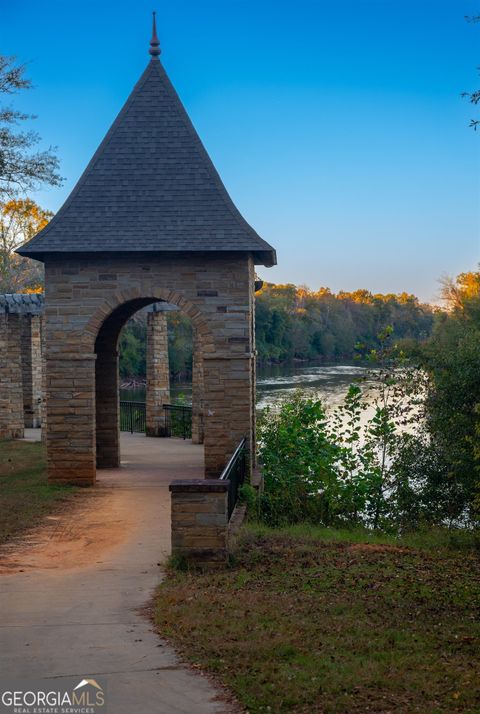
(21, 303)
(196, 485)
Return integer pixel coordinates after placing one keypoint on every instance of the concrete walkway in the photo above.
(70, 596)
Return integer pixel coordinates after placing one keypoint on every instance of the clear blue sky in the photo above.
(337, 126)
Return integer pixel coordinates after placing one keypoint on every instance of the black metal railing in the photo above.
(132, 416)
(178, 420)
(235, 473)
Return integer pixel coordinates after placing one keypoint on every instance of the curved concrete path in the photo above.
(71, 595)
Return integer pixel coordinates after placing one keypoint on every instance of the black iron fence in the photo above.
(235, 472)
(132, 416)
(178, 420)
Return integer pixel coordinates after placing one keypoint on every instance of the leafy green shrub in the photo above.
(248, 495)
(298, 464)
(383, 469)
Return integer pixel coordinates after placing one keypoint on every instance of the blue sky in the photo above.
(337, 126)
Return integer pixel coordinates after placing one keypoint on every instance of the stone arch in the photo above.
(89, 299)
(137, 299)
(128, 302)
(160, 216)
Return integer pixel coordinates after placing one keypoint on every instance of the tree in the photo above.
(473, 97)
(22, 168)
(296, 323)
(20, 219)
(451, 359)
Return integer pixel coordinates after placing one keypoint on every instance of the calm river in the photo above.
(329, 382)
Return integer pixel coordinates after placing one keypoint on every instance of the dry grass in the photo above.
(25, 495)
(304, 624)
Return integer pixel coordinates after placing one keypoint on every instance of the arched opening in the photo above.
(107, 383)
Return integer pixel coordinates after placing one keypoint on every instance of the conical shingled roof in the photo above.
(150, 187)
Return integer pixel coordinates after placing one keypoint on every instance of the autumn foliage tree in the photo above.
(23, 167)
(20, 220)
(297, 323)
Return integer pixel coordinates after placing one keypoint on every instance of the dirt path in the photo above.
(91, 524)
(72, 592)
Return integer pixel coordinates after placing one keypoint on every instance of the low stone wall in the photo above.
(202, 535)
(200, 521)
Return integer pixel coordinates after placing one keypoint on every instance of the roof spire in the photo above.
(154, 42)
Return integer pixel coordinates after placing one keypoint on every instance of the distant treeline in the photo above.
(295, 323)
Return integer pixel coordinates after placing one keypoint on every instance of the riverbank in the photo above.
(320, 621)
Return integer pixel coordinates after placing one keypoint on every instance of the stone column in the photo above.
(107, 408)
(70, 385)
(4, 378)
(228, 409)
(31, 370)
(200, 522)
(253, 451)
(158, 373)
(197, 389)
(11, 394)
(229, 379)
(43, 405)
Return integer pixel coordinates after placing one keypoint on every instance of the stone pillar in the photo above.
(31, 370)
(200, 521)
(253, 451)
(11, 393)
(229, 402)
(43, 405)
(197, 389)
(70, 384)
(158, 373)
(228, 409)
(107, 408)
(4, 378)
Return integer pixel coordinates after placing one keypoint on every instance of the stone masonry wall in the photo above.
(200, 521)
(82, 294)
(11, 390)
(31, 369)
(198, 389)
(43, 381)
(158, 373)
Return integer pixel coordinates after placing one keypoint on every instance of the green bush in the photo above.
(391, 471)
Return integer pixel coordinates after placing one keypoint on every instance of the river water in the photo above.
(329, 382)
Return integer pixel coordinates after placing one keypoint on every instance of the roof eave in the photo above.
(268, 258)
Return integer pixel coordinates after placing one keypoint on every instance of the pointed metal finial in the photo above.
(154, 42)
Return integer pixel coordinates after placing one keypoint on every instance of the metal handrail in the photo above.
(232, 459)
(132, 416)
(235, 472)
(185, 412)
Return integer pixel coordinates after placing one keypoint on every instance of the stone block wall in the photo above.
(11, 381)
(88, 300)
(43, 378)
(200, 521)
(107, 412)
(158, 373)
(31, 369)
(198, 390)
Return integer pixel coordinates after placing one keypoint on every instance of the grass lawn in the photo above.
(307, 620)
(25, 496)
